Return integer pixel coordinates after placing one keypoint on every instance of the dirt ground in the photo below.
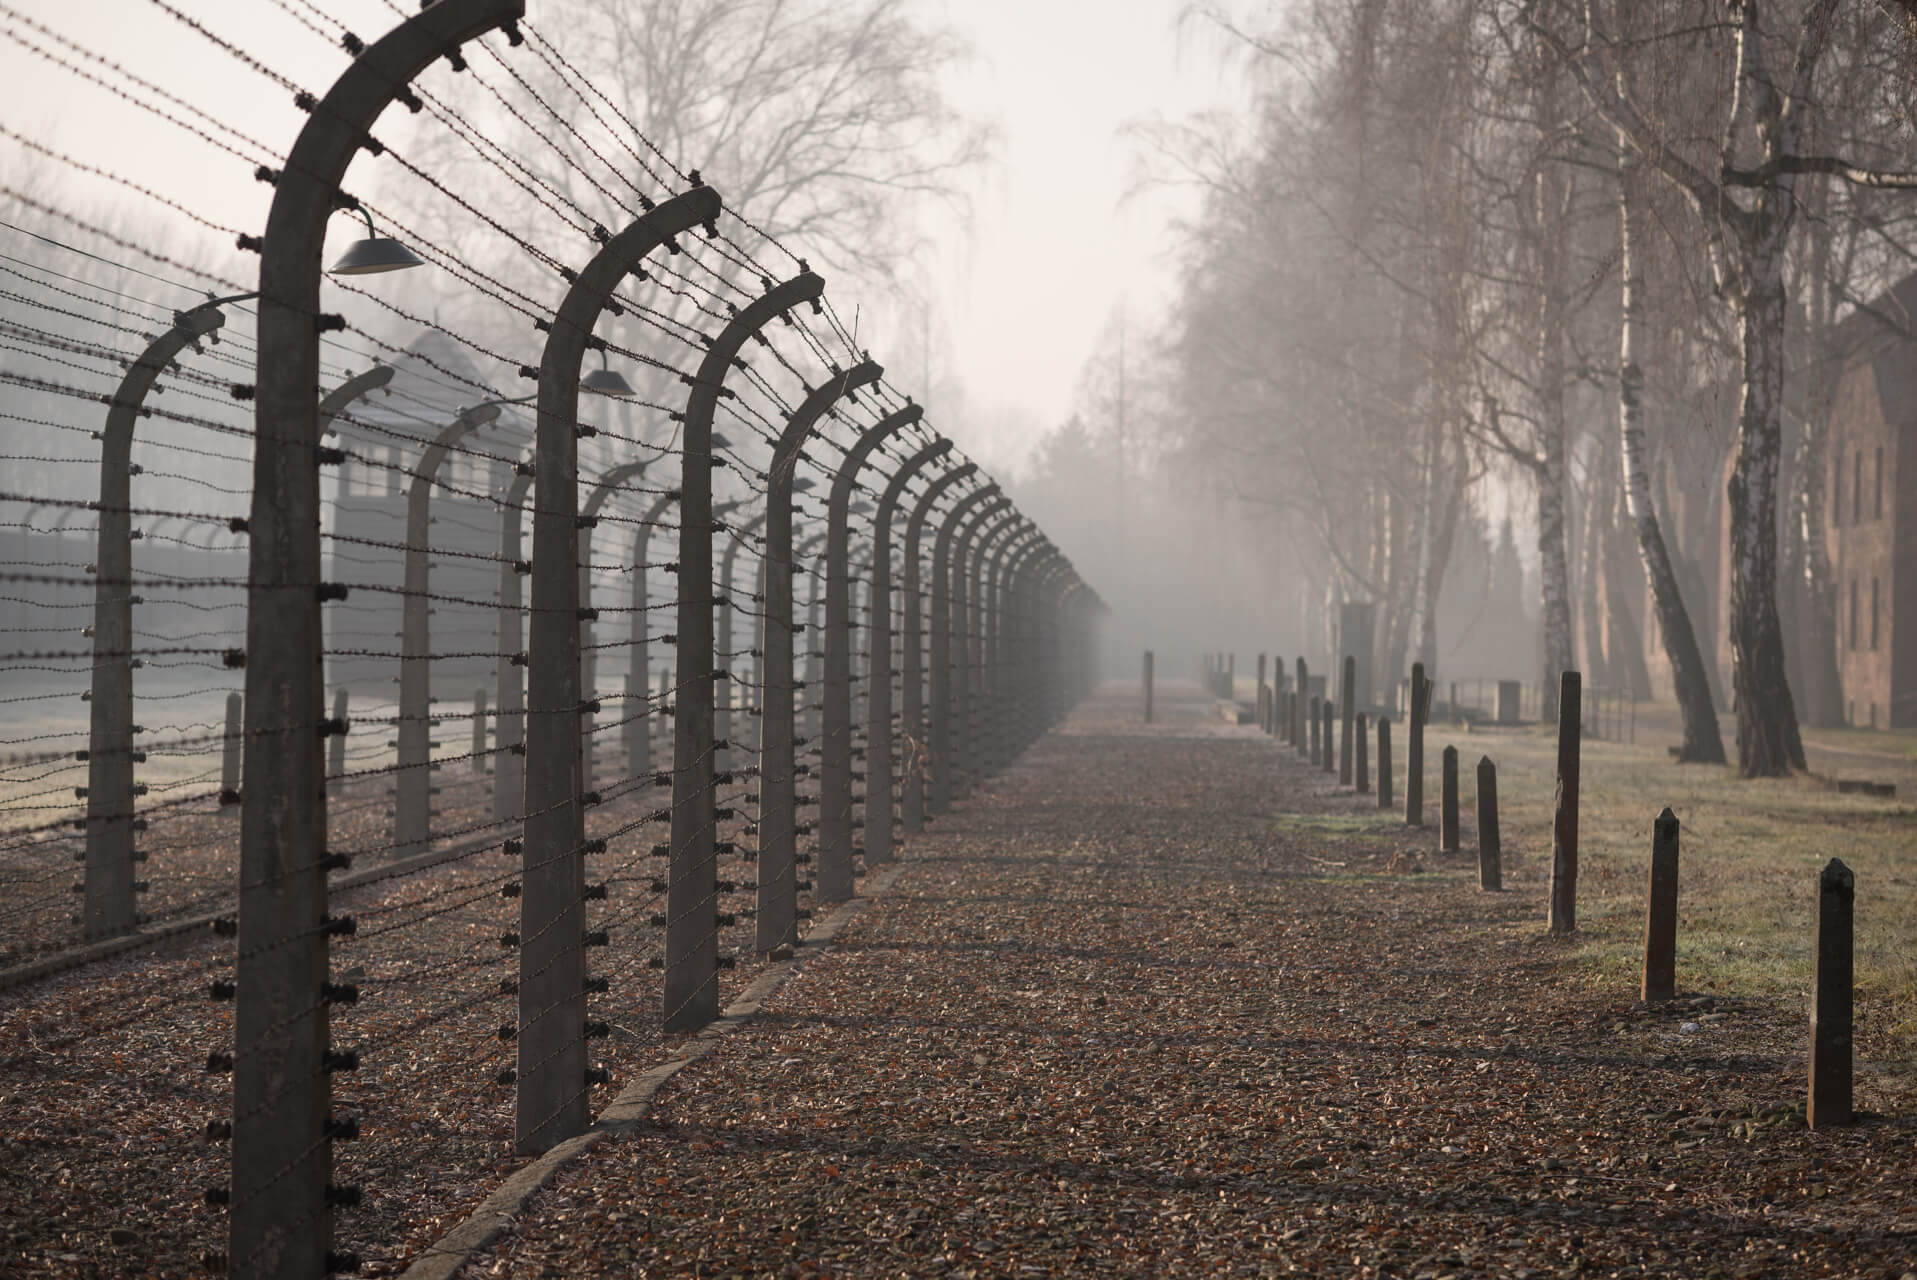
(1163, 1001)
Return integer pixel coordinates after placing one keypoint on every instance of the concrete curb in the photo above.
(445, 1257)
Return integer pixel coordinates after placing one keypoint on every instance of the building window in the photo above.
(1873, 613)
(1857, 487)
(1853, 613)
(1877, 505)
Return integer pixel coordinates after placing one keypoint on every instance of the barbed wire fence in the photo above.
(472, 736)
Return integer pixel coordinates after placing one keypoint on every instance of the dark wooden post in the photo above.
(1148, 686)
(1414, 751)
(1348, 706)
(1328, 755)
(1564, 826)
(1362, 747)
(1314, 749)
(1490, 852)
(1830, 1066)
(1384, 762)
(1660, 915)
(1448, 802)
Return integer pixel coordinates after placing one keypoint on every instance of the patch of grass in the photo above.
(1747, 896)
(1333, 826)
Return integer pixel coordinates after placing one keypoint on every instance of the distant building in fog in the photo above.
(1871, 520)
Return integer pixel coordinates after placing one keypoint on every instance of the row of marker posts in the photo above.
(1305, 721)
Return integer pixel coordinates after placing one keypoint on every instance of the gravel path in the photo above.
(1161, 1002)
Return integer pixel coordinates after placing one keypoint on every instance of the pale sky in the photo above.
(1022, 294)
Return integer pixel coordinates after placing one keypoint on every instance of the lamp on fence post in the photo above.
(554, 1100)
(692, 925)
(835, 718)
(280, 1221)
(969, 610)
(109, 884)
(412, 780)
(777, 921)
(978, 504)
(880, 736)
(912, 725)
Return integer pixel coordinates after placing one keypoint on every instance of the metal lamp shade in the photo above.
(375, 254)
(607, 382)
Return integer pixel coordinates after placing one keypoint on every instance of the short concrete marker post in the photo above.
(1448, 802)
(1384, 762)
(1830, 1065)
(1348, 707)
(1414, 751)
(1490, 852)
(1563, 915)
(1660, 913)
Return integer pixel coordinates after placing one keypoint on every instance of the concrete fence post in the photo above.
(947, 645)
(108, 905)
(778, 902)
(413, 778)
(479, 731)
(336, 744)
(692, 911)
(509, 736)
(835, 749)
(882, 736)
(281, 1193)
(914, 724)
(553, 1078)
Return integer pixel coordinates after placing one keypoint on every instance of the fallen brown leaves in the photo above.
(1115, 1019)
